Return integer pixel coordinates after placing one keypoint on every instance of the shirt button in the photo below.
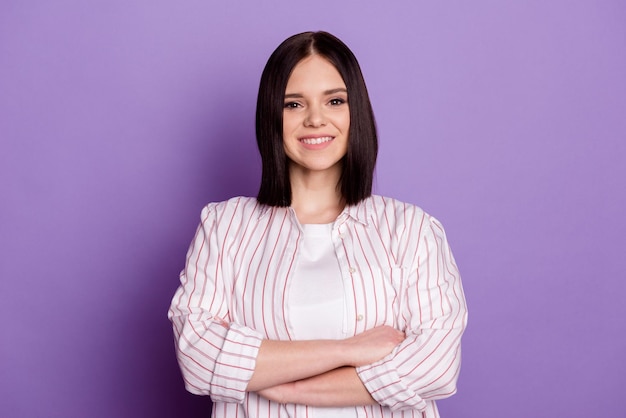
(342, 236)
(352, 270)
(359, 317)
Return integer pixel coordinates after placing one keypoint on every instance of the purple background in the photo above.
(119, 120)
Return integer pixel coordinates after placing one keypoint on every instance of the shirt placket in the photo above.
(342, 242)
(292, 245)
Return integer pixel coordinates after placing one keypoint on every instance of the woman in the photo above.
(317, 299)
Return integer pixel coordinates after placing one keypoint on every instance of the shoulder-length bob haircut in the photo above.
(358, 163)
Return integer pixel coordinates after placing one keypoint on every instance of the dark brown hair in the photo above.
(358, 163)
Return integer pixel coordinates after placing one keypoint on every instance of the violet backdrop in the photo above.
(120, 120)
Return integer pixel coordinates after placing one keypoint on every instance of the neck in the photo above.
(315, 196)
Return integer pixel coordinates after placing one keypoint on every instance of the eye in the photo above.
(336, 101)
(292, 105)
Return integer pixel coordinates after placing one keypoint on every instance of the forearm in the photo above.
(281, 362)
(336, 388)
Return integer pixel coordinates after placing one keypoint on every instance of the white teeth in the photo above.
(315, 141)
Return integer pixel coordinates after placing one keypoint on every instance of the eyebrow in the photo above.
(326, 93)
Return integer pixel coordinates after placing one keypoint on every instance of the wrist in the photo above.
(344, 351)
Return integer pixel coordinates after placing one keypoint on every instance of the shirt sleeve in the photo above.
(425, 366)
(216, 358)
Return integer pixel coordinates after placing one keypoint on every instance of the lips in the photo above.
(317, 140)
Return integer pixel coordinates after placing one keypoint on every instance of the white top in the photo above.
(316, 299)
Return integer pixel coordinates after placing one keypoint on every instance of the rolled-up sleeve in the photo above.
(426, 365)
(216, 357)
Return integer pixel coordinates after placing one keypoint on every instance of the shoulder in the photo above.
(236, 207)
(410, 232)
(382, 207)
(401, 216)
(239, 203)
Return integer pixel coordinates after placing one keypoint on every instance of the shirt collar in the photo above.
(263, 210)
(359, 212)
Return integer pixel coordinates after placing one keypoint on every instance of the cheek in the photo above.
(344, 122)
(343, 118)
(289, 123)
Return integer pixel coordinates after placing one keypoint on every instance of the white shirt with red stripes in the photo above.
(398, 270)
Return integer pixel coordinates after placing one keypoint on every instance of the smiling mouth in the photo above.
(316, 141)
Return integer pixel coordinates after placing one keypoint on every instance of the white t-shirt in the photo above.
(316, 298)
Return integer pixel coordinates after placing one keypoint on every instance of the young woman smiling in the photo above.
(317, 298)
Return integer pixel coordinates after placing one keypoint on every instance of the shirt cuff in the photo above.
(387, 387)
(235, 364)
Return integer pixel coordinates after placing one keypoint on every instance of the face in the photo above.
(316, 117)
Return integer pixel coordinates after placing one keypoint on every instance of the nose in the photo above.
(314, 117)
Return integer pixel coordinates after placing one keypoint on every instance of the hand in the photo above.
(372, 345)
(221, 322)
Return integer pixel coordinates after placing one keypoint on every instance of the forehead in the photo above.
(315, 73)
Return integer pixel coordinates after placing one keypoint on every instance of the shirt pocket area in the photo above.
(378, 298)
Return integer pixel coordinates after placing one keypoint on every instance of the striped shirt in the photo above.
(399, 271)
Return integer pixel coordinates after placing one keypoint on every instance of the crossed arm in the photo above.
(320, 372)
(224, 360)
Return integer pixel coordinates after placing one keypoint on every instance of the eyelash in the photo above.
(332, 102)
